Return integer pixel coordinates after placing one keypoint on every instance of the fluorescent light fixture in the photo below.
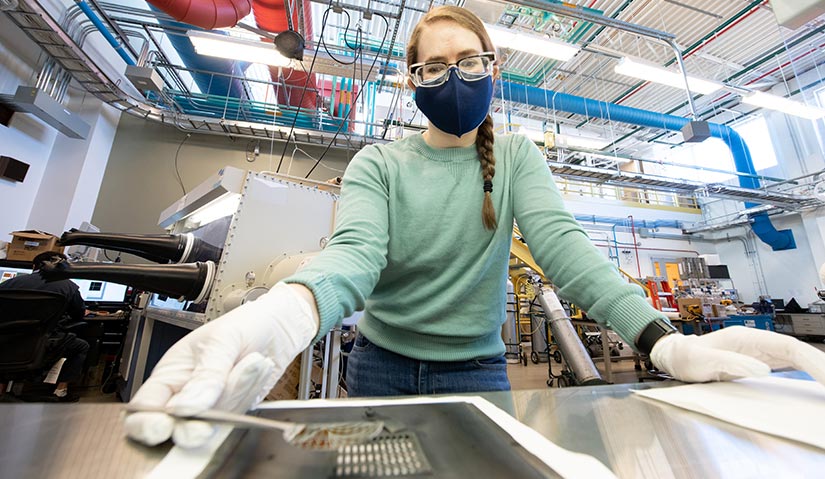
(572, 141)
(543, 46)
(778, 103)
(651, 72)
(223, 206)
(558, 140)
(234, 48)
(535, 136)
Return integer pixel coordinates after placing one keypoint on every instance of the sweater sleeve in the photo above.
(343, 275)
(563, 250)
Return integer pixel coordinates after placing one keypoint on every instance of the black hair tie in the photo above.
(488, 186)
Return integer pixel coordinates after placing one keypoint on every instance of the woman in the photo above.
(422, 244)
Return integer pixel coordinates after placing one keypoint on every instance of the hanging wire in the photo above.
(303, 91)
(360, 91)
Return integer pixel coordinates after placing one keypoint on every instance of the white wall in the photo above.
(140, 179)
(26, 138)
(64, 178)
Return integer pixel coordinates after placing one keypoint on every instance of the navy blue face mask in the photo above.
(456, 106)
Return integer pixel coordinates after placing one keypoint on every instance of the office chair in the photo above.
(26, 318)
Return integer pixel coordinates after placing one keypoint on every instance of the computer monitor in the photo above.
(9, 273)
(96, 291)
(82, 252)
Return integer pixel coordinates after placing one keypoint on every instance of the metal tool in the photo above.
(319, 436)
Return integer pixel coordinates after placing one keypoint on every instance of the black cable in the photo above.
(303, 91)
(355, 48)
(360, 90)
(177, 171)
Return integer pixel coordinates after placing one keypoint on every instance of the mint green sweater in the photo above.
(410, 249)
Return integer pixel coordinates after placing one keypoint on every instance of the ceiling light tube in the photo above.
(651, 72)
(234, 48)
(782, 104)
(537, 45)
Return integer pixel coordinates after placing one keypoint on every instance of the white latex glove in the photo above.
(230, 363)
(734, 352)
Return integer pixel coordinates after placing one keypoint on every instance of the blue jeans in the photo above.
(374, 371)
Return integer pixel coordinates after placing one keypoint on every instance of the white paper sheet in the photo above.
(789, 408)
(181, 464)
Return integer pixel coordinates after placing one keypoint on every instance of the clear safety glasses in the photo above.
(472, 68)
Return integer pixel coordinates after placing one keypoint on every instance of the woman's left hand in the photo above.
(734, 352)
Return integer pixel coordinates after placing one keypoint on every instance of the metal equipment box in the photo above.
(758, 321)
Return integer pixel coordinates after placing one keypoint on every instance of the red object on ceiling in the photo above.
(270, 15)
(205, 14)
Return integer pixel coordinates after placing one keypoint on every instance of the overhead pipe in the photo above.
(272, 16)
(97, 22)
(205, 14)
(761, 223)
(227, 82)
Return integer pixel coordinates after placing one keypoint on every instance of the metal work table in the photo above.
(634, 437)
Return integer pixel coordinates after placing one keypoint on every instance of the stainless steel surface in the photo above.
(318, 435)
(565, 336)
(58, 441)
(637, 438)
(634, 437)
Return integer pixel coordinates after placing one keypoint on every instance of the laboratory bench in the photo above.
(634, 437)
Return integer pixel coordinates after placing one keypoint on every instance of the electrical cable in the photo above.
(361, 90)
(177, 171)
(303, 91)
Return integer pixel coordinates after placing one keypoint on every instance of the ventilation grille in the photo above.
(388, 455)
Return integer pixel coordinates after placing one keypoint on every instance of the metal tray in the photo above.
(448, 440)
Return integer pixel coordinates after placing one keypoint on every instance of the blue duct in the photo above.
(761, 223)
(218, 85)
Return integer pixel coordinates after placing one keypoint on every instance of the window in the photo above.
(714, 154)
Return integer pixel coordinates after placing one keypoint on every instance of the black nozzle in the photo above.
(188, 281)
(157, 248)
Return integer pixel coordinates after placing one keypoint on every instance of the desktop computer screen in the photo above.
(9, 273)
(92, 290)
(95, 291)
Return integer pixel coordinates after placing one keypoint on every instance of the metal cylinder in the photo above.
(509, 330)
(538, 337)
(567, 340)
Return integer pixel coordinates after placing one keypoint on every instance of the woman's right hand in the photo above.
(230, 363)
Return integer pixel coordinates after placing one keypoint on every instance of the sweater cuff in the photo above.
(326, 300)
(630, 317)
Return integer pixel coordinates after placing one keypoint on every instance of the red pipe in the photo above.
(205, 14)
(270, 15)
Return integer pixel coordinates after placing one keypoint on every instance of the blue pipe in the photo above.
(85, 8)
(219, 85)
(623, 222)
(761, 223)
(615, 245)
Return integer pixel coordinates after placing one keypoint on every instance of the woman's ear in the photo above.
(410, 83)
(496, 72)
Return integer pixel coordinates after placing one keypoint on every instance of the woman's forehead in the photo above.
(447, 40)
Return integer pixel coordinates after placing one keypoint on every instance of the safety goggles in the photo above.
(472, 68)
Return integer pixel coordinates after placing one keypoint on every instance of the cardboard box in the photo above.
(683, 303)
(25, 245)
(287, 385)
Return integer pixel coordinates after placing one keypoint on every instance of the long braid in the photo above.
(484, 146)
